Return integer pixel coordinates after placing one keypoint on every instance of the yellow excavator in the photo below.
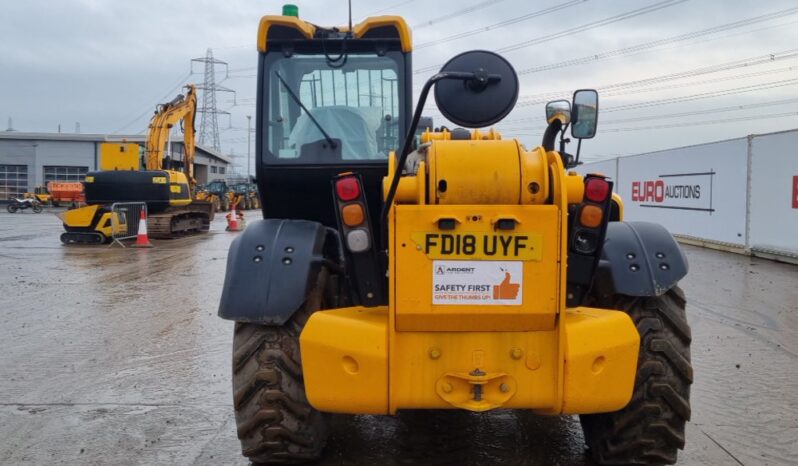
(165, 185)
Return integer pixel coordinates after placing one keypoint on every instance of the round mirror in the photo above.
(478, 102)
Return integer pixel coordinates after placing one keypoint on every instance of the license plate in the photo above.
(480, 245)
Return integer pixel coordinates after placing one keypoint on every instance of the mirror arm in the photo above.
(563, 139)
(550, 136)
(422, 99)
(575, 163)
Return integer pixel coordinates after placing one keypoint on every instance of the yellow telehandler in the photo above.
(463, 272)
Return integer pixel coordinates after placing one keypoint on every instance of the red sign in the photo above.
(795, 192)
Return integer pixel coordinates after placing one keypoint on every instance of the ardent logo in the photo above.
(441, 270)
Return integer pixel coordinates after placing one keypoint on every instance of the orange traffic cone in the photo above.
(232, 220)
(142, 240)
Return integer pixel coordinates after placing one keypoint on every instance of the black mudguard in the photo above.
(639, 259)
(271, 267)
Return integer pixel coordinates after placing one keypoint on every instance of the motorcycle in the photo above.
(22, 204)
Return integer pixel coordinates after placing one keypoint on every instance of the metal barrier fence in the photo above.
(125, 217)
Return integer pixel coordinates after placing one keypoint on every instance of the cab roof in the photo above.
(274, 28)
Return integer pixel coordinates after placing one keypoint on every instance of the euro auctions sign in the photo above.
(681, 191)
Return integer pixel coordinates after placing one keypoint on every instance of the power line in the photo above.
(618, 92)
(581, 28)
(590, 58)
(695, 72)
(680, 125)
(455, 14)
(662, 88)
(656, 43)
(701, 96)
(150, 107)
(744, 89)
(701, 123)
(704, 95)
(392, 7)
(702, 82)
(733, 108)
(500, 24)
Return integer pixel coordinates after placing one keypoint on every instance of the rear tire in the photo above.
(276, 424)
(11, 208)
(650, 429)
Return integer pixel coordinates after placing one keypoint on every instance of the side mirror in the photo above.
(482, 100)
(585, 114)
(558, 109)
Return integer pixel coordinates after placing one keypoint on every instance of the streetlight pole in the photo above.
(249, 146)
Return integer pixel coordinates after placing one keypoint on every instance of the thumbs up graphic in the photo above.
(505, 289)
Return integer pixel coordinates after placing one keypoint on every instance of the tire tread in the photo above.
(274, 420)
(650, 429)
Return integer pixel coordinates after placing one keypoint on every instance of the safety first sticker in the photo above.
(477, 282)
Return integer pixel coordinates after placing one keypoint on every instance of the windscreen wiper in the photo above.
(299, 102)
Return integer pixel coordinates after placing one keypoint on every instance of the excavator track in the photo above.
(175, 222)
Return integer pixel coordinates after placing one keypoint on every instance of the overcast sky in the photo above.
(106, 63)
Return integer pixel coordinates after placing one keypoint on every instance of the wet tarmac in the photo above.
(116, 356)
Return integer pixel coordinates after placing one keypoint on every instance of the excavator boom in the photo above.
(181, 108)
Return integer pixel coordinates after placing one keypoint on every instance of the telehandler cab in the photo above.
(466, 272)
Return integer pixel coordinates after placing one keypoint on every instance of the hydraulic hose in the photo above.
(550, 136)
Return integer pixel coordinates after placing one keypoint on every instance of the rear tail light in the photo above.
(585, 241)
(353, 214)
(358, 240)
(597, 189)
(362, 265)
(587, 232)
(347, 188)
(590, 216)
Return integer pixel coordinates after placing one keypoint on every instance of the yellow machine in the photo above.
(463, 272)
(119, 156)
(244, 195)
(202, 194)
(217, 193)
(39, 193)
(92, 224)
(165, 185)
